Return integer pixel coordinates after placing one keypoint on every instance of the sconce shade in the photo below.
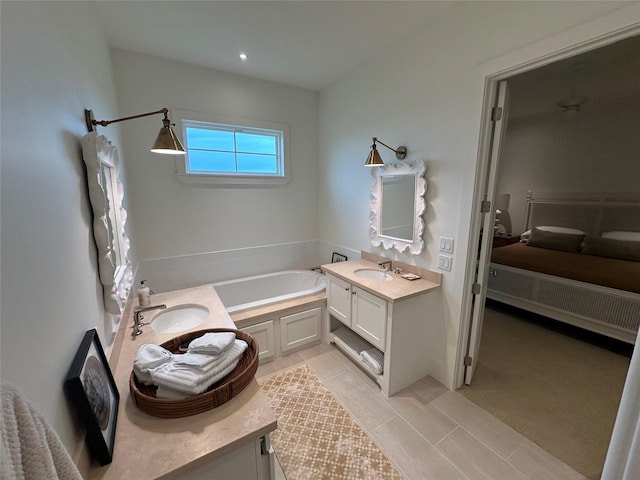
(374, 159)
(167, 142)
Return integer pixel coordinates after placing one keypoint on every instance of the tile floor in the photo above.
(427, 431)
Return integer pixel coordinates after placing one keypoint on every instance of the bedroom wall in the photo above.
(595, 150)
(427, 94)
(55, 63)
(182, 226)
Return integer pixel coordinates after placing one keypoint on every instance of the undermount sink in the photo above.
(373, 274)
(179, 318)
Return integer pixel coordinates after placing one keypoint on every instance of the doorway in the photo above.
(572, 92)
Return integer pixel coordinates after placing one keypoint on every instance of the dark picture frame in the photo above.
(93, 392)
(338, 257)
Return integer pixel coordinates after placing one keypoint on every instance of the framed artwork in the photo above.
(92, 391)
(337, 257)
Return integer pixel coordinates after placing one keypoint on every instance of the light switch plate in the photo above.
(446, 244)
(444, 262)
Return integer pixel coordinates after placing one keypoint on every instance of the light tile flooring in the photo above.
(427, 431)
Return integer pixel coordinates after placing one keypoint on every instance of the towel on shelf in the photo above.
(172, 394)
(212, 343)
(195, 380)
(373, 358)
(29, 447)
(148, 358)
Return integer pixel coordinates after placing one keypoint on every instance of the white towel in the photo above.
(149, 357)
(212, 343)
(170, 393)
(374, 358)
(194, 380)
(29, 447)
(200, 360)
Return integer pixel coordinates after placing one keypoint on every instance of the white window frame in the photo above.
(182, 117)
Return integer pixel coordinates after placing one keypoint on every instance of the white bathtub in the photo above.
(250, 292)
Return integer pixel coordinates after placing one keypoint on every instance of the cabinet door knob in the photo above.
(353, 292)
(347, 289)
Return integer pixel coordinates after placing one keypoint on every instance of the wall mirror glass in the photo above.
(397, 206)
(109, 217)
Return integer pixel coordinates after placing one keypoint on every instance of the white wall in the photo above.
(55, 63)
(427, 94)
(171, 218)
(595, 150)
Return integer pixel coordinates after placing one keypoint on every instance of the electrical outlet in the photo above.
(444, 262)
(446, 244)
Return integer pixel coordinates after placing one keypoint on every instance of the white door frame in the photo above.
(622, 458)
(482, 165)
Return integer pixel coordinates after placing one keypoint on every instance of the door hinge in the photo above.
(476, 288)
(496, 114)
(485, 206)
(468, 361)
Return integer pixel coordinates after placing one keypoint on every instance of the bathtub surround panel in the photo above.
(174, 273)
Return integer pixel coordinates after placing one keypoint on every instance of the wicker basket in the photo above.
(144, 396)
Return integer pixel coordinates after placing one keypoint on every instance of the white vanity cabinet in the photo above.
(253, 461)
(362, 312)
(359, 320)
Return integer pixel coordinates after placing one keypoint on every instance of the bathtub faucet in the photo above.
(138, 317)
(385, 265)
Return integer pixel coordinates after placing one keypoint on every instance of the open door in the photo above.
(499, 119)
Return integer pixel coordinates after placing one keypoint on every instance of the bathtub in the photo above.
(250, 292)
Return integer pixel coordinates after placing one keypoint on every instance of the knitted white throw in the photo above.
(30, 448)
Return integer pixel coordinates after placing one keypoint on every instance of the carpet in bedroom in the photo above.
(559, 391)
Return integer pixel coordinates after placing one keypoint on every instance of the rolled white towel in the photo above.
(194, 380)
(374, 358)
(212, 343)
(149, 357)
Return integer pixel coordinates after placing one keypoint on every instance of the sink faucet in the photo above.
(138, 317)
(385, 265)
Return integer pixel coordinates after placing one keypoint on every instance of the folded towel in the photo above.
(170, 393)
(212, 343)
(194, 380)
(373, 358)
(149, 357)
(201, 360)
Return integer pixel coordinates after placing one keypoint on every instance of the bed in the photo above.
(582, 263)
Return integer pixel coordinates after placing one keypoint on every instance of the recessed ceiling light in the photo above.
(243, 56)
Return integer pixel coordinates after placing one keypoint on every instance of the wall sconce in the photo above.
(166, 141)
(374, 160)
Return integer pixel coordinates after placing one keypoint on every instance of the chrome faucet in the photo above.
(138, 317)
(385, 265)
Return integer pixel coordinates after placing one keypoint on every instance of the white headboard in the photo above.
(593, 213)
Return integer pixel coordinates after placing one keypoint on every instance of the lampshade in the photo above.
(167, 142)
(502, 201)
(374, 159)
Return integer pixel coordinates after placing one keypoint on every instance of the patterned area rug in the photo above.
(316, 438)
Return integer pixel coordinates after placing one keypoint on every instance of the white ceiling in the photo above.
(308, 44)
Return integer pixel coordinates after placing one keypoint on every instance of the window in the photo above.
(232, 151)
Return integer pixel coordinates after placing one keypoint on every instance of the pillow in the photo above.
(612, 248)
(567, 242)
(550, 228)
(620, 235)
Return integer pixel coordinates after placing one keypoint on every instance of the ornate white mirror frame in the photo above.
(416, 169)
(109, 218)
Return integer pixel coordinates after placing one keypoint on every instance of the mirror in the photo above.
(109, 217)
(397, 206)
